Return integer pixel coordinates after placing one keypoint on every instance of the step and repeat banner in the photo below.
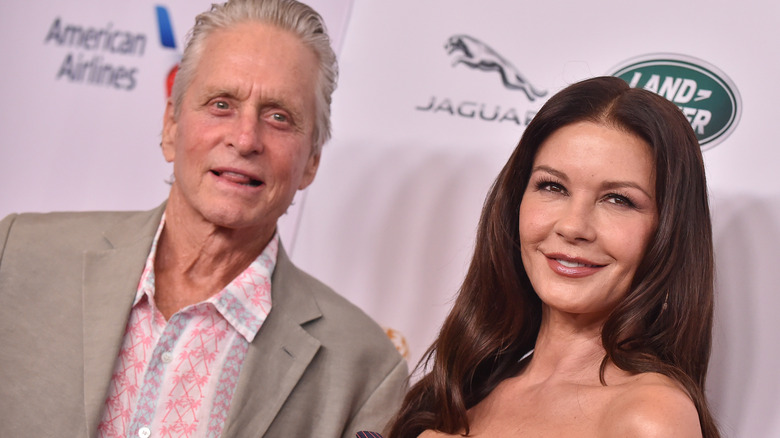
(432, 98)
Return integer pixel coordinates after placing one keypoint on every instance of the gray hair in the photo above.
(289, 15)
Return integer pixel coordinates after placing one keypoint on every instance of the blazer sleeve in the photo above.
(382, 405)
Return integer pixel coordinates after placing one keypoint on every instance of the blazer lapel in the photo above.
(109, 286)
(278, 356)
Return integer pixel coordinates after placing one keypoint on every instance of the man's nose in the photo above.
(247, 137)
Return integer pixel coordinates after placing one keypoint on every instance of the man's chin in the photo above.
(237, 220)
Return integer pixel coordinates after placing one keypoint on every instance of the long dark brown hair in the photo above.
(496, 317)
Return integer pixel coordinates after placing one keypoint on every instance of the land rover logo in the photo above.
(706, 96)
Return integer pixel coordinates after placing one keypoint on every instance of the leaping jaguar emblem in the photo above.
(476, 54)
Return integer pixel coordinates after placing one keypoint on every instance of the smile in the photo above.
(238, 178)
(572, 267)
(571, 264)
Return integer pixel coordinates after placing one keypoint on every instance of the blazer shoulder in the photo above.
(5, 229)
(340, 325)
(74, 229)
(73, 220)
(338, 310)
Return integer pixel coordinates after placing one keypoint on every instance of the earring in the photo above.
(666, 302)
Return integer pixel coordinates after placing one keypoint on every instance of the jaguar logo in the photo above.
(478, 55)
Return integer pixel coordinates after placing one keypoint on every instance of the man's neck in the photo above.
(195, 261)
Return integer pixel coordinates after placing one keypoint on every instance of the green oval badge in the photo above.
(707, 97)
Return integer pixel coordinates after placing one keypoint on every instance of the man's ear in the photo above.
(169, 133)
(310, 170)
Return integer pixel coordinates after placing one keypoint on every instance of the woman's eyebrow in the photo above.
(551, 171)
(611, 185)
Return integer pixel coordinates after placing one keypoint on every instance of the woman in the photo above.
(587, 307)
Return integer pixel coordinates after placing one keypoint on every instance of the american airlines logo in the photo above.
(106, 55)
(168, 41)
(103, 55)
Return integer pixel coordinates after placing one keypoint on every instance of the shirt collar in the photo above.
(245, 302)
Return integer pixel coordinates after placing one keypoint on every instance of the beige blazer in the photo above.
(319, 367)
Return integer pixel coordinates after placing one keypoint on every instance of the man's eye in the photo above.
(279, 117)
(222, 105)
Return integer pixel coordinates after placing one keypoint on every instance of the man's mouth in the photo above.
(238, 178)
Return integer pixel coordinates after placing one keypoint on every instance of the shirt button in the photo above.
(144, 432)
(167, 357)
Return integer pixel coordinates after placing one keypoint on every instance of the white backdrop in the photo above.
(391, 218)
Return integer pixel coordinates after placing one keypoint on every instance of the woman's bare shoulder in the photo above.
(652, 405)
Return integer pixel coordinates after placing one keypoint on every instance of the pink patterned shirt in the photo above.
(176, 378)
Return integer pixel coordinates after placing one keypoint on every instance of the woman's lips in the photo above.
(572, 267)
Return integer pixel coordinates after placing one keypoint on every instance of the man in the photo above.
(190, 320)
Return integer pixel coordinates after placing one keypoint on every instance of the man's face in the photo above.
(241, 144)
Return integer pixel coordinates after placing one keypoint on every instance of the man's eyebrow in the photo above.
(210, 93)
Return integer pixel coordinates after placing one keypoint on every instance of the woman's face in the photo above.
(587, 216)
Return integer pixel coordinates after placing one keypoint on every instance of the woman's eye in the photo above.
(619, 200)
(549, 186)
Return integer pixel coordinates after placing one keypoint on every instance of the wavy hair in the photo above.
(289, 15)
(662, 325)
